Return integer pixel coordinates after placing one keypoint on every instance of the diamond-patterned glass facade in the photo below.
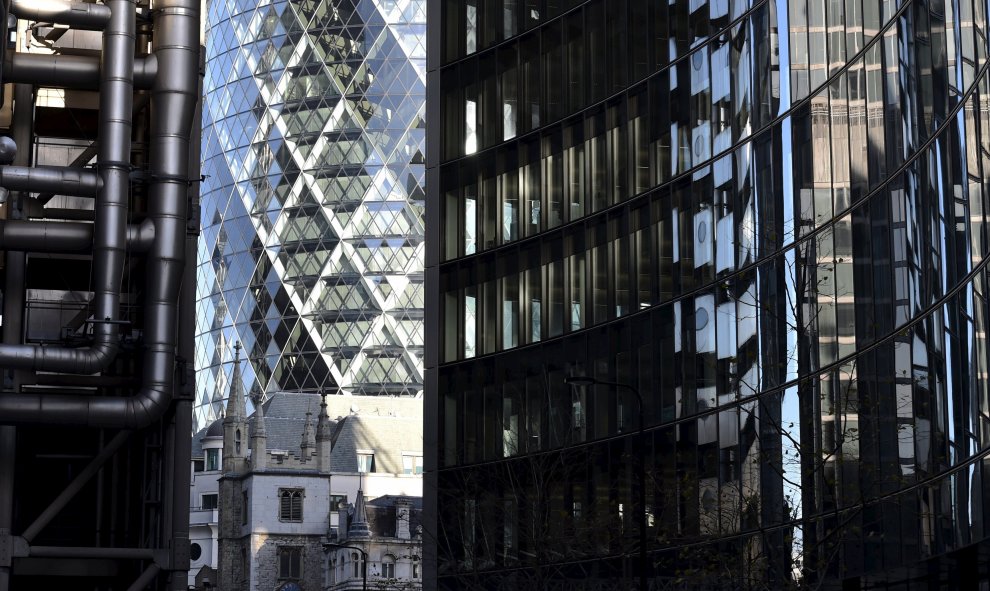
(311, 252)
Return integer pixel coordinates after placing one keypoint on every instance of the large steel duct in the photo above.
(64, 181)
(69, 71)
(44, 236)
(174, 97)
(78, 15)
(135, 437)
(109, 242)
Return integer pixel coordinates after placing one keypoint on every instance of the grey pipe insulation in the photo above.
(174, 97)
(78, 15)
(55, 179)
(109, 239)
(64, 237)
(69, 71)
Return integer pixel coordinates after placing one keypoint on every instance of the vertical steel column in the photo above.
(13, 309)
(186, 383)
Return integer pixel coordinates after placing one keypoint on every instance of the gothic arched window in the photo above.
(290, 504)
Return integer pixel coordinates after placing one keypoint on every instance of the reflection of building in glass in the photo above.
(311, 253)
(769, 221)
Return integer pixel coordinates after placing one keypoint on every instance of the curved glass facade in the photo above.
(760, 228)
(311, 253)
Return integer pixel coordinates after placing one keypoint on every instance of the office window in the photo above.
(412, 464)
(470, 126)
(209, 501)
(577, 307)
(510, 311)
(366, 462)
(471, 26)
(508, 87)
(213, 459)
(289, 562)
(290, 504)
(388, 567)
(336, 501)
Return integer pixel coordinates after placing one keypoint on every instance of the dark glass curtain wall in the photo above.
(768, 219)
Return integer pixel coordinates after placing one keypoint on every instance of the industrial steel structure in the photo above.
(98, 290)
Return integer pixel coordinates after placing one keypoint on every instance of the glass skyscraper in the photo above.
(711, 294)
(311, 254)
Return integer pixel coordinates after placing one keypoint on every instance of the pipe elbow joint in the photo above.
(141, 237)
(145, 71)
(80, 361)
(145, 408)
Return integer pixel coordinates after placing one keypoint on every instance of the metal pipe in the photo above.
(13, 315)
(22, 129)
(141, 236)
(140, 102)
(81, 160)
(180, 488)
(145, 71)
(109, 239)
(56, 179)
(174, 97)
(69, 71)
(75, 381)
(61, 213)
(8, 442)
(79, 15)
(22, 133)
(146, 577)
(48, 236)
(63, 71)
(41, 236)
(74, 487)
(187, 351)
(113, 165)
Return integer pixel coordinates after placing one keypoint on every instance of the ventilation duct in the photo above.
(172, 73)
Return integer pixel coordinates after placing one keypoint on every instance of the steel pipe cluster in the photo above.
(70, 71)
(171, 72)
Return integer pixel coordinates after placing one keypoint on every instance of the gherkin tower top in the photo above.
(311, 252)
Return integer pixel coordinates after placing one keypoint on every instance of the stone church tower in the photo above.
(233, 539)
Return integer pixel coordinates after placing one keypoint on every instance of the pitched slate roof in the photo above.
(197, 443)
(214, 429)
(285, 416)
(388, 425)
(387, 436)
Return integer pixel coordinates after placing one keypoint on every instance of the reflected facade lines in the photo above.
(311, 253)
(767, 219)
